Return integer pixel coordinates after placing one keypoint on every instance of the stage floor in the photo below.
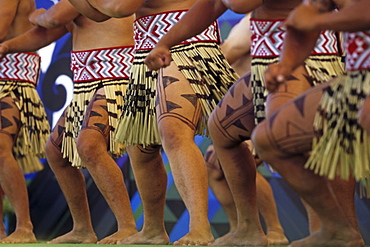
(43, 244)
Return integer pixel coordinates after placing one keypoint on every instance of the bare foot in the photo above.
(145, 238)
(75, 237)
(195, 238)
(277, 238)
(117, 236)
(237, 239)
(20, 236)
(336, 239)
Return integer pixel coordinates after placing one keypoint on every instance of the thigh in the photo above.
(233, 118)
(176, 99)
(289, 131)
(96, 115)
(10, 117)
(298, 82)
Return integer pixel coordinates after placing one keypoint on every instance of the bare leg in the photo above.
(92, 146)
(267, 207)
(178, 113)
(287, 152)
(230, 124)
(72, 183)
(313, 221)
(11, 177)
(151, 179)
(220, 188)
(265, 199)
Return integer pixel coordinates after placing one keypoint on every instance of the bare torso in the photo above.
(150, 7)
(15, 21)
(88, 34)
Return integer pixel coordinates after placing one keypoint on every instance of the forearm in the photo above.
(116, 8)
(298, 45)
(34, 39)
(56, 16)
(353, 18)
(87, 10)
(197, 19)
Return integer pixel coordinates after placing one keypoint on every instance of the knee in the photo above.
(260, 142)
(213, 127)
(52, 151)
(175, 136)
(86, 149)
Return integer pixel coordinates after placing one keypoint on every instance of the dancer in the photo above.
(101, 61)
(169, 107)
(232, 122)
(325, 118)
(24, 128)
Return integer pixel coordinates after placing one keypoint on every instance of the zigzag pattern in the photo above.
(357, 50)
(150, 29)
(101, 64)
(268, 38)
(20, 66)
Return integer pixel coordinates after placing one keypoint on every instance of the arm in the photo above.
(32, 40)
(238, 41)
(353, 17)
(56, 16)
(298, 44)
(116, 8)
(87, 10)
(8, 10)
(202, 14)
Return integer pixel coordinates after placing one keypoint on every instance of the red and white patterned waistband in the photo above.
(20, 66)
(268, 39)
(99, 64)
(149, 30)
(357, 45)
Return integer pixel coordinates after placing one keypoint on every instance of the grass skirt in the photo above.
(82, 94)
(208, 72)
(34, 130)
(320, 68)
(342, 147)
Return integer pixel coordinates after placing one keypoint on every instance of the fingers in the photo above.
(158, 59)
(273, 77)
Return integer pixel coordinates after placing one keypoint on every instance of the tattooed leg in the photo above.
(230, 124)
(92, 146)
(178, 113)
(151, 180)
(284, 141)
(72, 183)
(11, 176)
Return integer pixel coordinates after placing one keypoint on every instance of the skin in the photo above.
(236, 49)
(335, 210)
(14, 22)
(186, 160)
(92, 145)
(265, 199)
(228, 143)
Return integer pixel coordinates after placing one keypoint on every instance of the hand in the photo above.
(302, 18)
(35, 15)
(3, 50)
(159, 57)
(275, 75)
